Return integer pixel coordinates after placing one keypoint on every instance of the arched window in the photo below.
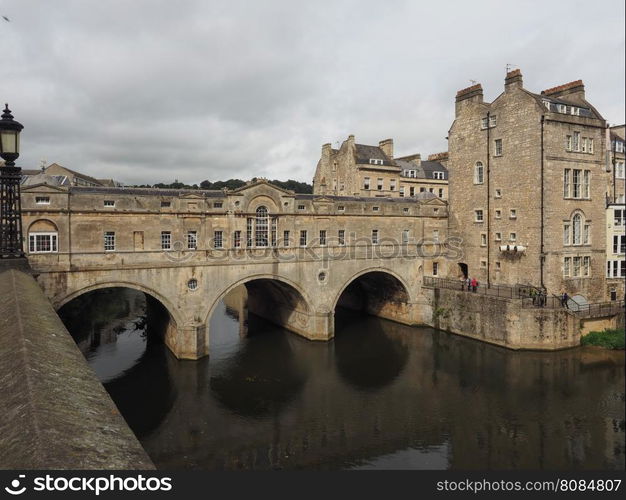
(261, 227)
(579, 229)
(43, 237)
(479, 173)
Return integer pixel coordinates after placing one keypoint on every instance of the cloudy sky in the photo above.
(149, 91)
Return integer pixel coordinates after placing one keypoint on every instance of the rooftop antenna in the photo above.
(42, 164)
(474, 82)
(509, 66)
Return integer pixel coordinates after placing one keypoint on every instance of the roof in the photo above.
(585, 111)
(146, 191)
(425, 170)
(365, 153)
(75, 173)
(313, 197)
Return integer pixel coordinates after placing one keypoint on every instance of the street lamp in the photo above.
(10, 177)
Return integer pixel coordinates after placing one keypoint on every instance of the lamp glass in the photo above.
(10, 141)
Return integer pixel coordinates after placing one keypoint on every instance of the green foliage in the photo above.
(609, 339)
(440, 312)
(290, 184)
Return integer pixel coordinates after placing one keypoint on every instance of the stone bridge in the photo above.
(299, 256)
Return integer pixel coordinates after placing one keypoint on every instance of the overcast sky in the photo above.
(149, 91)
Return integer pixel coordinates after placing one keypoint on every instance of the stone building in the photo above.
(616, 216)
(58, 175)
(373, 171)
(528, 188)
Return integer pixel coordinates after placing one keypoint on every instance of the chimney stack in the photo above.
(573, 89)
(387, 146)
(513, 80)
(473, 94)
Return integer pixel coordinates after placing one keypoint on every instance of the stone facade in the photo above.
(372, 171)
(528, 188)
(188, 249)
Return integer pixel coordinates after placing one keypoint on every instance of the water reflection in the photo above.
(381, 395)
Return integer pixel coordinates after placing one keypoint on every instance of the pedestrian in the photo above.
(468, 282)
(474, 284)
(541, 298)
(533, 295)
(564, 299)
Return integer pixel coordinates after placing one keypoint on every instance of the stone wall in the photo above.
(503, 321)
(55, 413)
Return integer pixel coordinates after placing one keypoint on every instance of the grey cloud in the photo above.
(149, 91)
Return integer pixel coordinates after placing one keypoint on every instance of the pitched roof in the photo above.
(146, 191)
(365, 153)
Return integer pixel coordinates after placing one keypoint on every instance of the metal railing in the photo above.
(598, 309)
(503, 291)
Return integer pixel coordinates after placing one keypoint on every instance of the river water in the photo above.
(379, 396)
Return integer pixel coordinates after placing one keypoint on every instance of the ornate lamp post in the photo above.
(10, 176)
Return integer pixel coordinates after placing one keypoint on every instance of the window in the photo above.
(498, 237)
(583, 145)
(436, 235)
(435, 268)
(237, 239)
(341, 208)
(567, 264)
(479, 171)
(218, 204)
(576, 270)
(498, 147)
(405, 210)
(342, 186)
(586, 266)
(274, 230)
(498, 213)
(218, 239)
(562, 108)
(300, 207)
(616, 269)
(166, 240)
(483, 264)
(513, 237)
(586, 175)
(323, 237)
(303, 238)
(405, 236)
(411, 191)
(566, 182)
(109, 203)
(261, 227)
(619, 170)
(440, 192)
(619, 146)
(42, 242)
(334, 184)
(374, 236)
(590, 146)
(566, 233)
(392, 185)
(375, 209)
(192, 240)
(576, 142)
(618, 217)
(375, 161)
(576, 183)
(478, 216)
(401, 191)
(576, 229)
(422, 190)
(366, 182)
(619, 244)
(568, 143)
(410, 173)
(498, 266)
(492, 120)
(513, 213)
(42, 200)
(109, 241)
(166, 204)
(379, 184)
(484, 122)
(439, 175)
(498, 193)
(341, 237)
(586, 234)
(483, 239)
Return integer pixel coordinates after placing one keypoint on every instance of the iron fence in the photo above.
(503, 291)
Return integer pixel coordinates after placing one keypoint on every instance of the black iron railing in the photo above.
(503, 291)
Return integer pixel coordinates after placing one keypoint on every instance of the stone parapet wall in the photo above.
(55, 413)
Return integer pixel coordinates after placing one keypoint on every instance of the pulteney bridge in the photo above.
(299, 256)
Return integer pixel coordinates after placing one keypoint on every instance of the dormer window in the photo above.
(375, 161)
(438, 175)
(562, 108)
(410, 173)
(575, 111)
(546, 103)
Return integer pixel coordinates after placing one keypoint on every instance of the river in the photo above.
(379, 396)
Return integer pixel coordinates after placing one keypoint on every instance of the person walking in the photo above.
(474, 284)
(564, 299)
(468, 282)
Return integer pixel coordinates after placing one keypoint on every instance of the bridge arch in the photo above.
(374, 270)
(378, 291)
(171, 309)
